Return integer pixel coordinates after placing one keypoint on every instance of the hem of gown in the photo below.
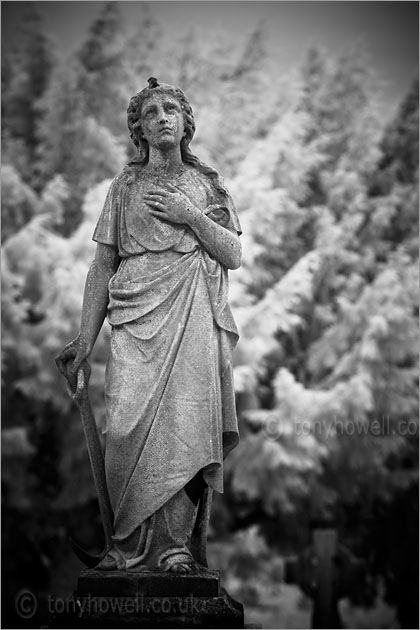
(117, 538)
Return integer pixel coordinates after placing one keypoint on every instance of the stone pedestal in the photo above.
(116, 599)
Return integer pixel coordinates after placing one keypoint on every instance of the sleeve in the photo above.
(234, 223)
(106, 229)
(225, 214)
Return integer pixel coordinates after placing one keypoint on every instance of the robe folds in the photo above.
(168, 388)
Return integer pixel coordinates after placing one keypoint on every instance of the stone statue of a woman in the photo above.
(166, 237)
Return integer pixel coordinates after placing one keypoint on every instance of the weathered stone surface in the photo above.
(166, 237)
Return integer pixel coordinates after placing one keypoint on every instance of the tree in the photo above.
(242, 119)
(271, 191)
(74, 143)
(101, 71)
(393, 186)
(19, 202)
(43, 280)
(400, 144)
(341, 359)
(32, 61)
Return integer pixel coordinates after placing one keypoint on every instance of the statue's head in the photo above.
(135, 108)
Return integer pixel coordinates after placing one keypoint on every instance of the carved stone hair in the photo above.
(135, 107)
(134, 126)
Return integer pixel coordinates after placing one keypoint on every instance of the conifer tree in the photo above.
(101, 70)
(27, 73)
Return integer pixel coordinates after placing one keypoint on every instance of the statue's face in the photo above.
(162, 121)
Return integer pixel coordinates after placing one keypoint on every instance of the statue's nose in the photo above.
(163, 117)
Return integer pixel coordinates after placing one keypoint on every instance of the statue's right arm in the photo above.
(95, 304)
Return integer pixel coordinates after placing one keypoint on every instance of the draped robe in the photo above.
(168, 388)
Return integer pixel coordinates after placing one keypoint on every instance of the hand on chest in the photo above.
(154, 233)
(193, 188)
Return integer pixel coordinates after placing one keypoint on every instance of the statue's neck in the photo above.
(165, 162)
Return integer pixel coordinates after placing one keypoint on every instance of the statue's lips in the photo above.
(166, 129)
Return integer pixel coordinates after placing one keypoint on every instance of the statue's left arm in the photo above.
(220, 242)
(174, 206)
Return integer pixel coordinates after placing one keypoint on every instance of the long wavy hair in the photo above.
(134, 125)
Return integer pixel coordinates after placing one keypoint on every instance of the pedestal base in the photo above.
(125, 584)
(118, 599)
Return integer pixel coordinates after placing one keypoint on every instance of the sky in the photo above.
(388, 30)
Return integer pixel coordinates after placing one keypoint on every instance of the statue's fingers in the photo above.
(62, 359)
(157, 192)
(154, 199)
(159, 214)
(76, 362)
(69, 351)
(156, 205)
(60, 365)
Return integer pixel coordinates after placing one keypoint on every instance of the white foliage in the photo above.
(281, 309)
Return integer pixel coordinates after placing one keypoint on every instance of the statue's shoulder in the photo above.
(214, 182)
(125, 177)
(206, 175)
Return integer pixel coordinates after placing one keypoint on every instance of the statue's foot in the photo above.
(184, 568)
(108, 563)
